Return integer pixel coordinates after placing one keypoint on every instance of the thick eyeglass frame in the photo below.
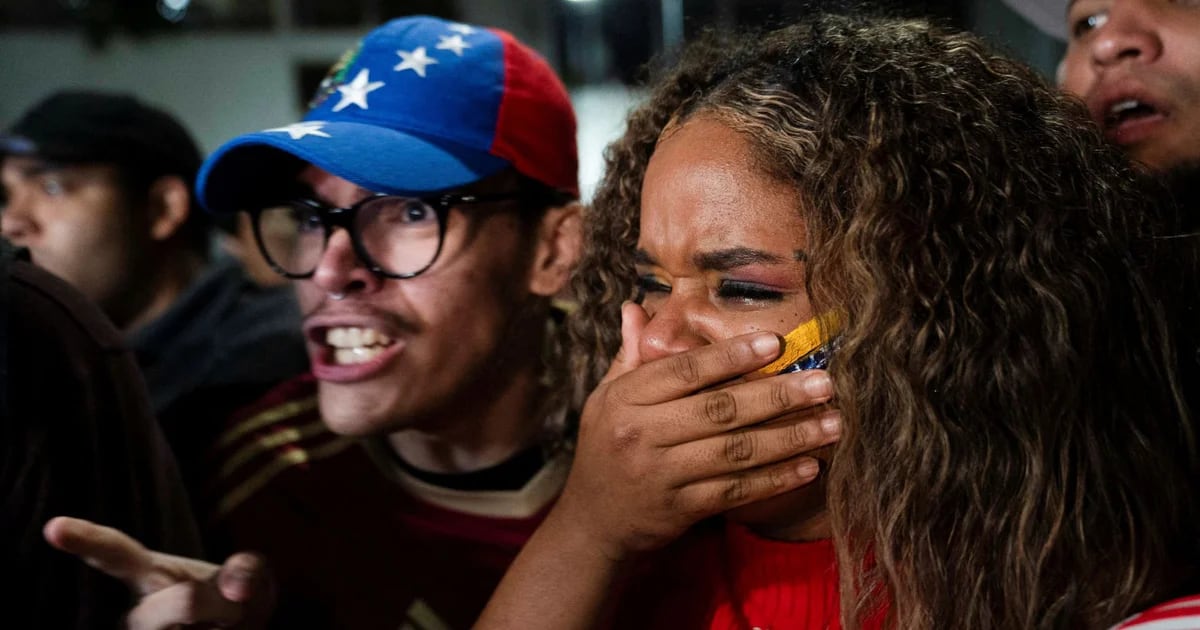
(333, 217)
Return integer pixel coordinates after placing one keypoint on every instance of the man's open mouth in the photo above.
(351, 345)
(1128, 110)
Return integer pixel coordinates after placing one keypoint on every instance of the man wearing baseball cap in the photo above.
(425, 208)
(97, 186)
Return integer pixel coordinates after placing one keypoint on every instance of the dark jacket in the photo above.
(77, 438)
(222, 344)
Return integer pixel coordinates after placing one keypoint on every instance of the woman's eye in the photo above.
(747, 292)
(646, 285)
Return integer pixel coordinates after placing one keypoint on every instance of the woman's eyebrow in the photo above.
(734, 257)
(725, 259)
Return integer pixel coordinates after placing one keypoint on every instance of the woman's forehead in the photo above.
(703, 190)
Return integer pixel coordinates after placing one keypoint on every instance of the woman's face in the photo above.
(722, 244)
(722, 253)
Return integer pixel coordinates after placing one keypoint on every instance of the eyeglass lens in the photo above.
(400, 235)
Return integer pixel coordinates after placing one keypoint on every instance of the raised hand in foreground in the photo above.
(663, 445)
(171, 590)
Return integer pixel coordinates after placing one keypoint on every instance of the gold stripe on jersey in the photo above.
(269, 442)
(262, 419)
(281, 462)
(421, 617)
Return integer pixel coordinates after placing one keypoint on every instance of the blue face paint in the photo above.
(816, 360)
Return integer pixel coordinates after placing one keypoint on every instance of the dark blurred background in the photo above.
(231, 66)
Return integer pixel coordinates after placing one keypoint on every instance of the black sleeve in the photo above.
(78, 439)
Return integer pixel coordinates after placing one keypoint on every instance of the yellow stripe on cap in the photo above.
(804, 339)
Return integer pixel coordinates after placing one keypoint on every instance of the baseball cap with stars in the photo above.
(420, 105)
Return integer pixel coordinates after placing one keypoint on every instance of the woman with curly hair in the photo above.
(1013, 449)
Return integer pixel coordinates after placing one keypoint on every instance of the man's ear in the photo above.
(559, 240)
(168, 203)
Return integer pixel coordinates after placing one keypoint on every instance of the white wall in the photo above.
(220, 85)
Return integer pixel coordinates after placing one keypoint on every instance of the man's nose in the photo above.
(1129, 33)
(17, 218)
(341, 271)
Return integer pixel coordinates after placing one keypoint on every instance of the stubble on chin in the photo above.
(344, 411)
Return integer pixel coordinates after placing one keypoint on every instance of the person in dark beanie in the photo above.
(98, 187)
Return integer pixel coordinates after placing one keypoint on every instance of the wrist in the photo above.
(587, 538)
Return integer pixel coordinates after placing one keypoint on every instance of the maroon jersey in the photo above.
(353, 540)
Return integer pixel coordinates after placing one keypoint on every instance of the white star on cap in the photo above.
(461, 28)
(416, 61)
(453, 43)
(301, 129)
(356, 91)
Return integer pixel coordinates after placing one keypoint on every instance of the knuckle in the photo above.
(739, 447)
(777, 479)
(780, 397)
(798, 438)
(696, 508)
(734, 355)
(684, 367)
(735, 490)
(625, 436)
(720, 407)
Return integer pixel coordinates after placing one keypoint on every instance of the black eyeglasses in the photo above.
(394, 236)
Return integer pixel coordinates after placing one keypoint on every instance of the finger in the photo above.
(719, 494)
(633, 322)
(756, 446)
(720, 411)
(102, 547)
(246, 578)
(243, 577)
(184, 603)
(687, 372)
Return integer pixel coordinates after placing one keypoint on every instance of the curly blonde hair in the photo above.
(1015, 452)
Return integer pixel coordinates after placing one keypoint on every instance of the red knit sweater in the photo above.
(723, 577)
(1177, 614)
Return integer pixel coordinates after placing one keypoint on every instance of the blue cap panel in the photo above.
(411, 84)
(412, 109)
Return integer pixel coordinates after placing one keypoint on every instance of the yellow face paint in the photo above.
(804, 340)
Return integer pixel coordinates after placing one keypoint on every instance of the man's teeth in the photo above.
(351, 356)
(355, 345)
(1124, 106)
(353, 337)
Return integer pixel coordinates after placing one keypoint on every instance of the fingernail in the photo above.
(808, 468)
(831, 424)
(818, 385)
(765, 345)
